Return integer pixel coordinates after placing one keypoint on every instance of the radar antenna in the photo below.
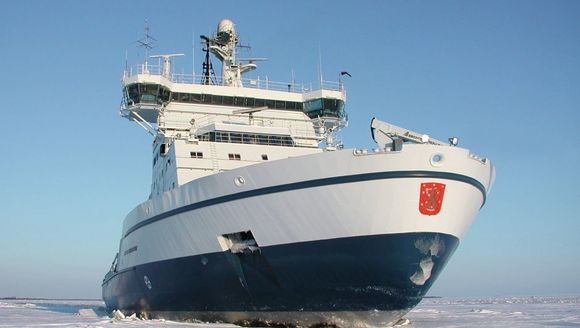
(252, 59)
(166, 72)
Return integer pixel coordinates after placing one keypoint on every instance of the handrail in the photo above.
(298, 128)
(257, 83)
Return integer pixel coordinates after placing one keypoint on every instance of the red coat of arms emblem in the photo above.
(431, 198)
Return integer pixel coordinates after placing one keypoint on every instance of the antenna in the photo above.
(147, 43)
(193, 55)
(252, 59)
(244, 46)
(320, 64)
(166, 63)
(126, 60)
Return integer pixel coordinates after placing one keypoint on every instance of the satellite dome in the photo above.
(226, 25)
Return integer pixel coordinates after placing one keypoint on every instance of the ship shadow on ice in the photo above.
(255, 324)
(82, 309)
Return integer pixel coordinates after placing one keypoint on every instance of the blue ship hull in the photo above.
(365, 273)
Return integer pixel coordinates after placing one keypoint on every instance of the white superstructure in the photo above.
(206, 128)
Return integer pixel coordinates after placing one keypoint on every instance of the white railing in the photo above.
(301, 129)
(257, 83)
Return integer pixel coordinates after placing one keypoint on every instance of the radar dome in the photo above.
(227, 26)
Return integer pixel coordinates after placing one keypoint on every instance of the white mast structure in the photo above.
(224, 48)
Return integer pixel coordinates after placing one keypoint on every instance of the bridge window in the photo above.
(228, 100)
(195, 98)
(216, 99)
(163, 95)
(238, 101)
(313, 108)
(326, 107)
(146, 93)
(184, 97)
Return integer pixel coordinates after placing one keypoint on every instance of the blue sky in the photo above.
(503, 76)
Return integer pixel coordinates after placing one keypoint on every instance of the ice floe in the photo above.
(517, 312)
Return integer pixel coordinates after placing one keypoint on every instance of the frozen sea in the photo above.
(515, 312)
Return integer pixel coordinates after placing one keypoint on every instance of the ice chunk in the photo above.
(430, 246)
(89, 313)
(118, 315)
(424, 273)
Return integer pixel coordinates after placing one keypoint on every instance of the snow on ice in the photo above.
(515, 312)
(75, 314)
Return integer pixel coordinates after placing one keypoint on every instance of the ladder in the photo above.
(214, 160)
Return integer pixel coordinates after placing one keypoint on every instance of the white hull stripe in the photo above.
(312, 184)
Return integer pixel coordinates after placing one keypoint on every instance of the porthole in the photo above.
(239, 181)
(437, 160)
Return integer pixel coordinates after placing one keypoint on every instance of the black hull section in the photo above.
(388, 273)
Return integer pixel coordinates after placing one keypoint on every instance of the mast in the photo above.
(223, 46)
(147, 43)
(207, 67)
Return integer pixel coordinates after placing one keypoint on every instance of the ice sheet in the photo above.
(75, 314)
(518, 312)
